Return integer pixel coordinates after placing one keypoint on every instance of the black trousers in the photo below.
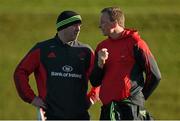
(124, 111)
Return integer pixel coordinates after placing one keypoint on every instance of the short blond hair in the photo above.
(115, 13)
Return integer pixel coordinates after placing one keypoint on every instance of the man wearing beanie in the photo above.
(61, 66)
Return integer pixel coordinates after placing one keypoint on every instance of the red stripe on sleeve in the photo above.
(21, 75)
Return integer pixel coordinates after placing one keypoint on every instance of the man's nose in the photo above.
(77, 27)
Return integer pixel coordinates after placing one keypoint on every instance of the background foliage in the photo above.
(23, 23)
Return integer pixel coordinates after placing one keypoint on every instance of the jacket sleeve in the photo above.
(93, 94)
(91, 63)
(148, 64)
(22, 72)
(97, 72)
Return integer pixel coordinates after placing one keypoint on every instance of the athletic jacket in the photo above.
(122, 75)
(61, 72)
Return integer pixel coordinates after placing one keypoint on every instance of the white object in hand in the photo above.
(42, 114)
(92, 102)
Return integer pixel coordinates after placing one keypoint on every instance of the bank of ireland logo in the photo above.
(67, 68)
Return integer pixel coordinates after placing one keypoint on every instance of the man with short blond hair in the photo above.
(121, 60)
(115, 14)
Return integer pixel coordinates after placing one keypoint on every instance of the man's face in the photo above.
(105, 24)
(72, 32)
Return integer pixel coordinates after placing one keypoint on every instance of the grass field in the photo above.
(23, 23)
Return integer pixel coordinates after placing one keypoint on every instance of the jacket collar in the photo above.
(60, 42)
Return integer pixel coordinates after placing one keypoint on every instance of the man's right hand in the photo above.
(102, 57)
(38, 102)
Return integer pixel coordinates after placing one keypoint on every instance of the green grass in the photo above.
(23, 23)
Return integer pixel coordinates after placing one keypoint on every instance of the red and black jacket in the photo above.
(61, 72)
(122, 75)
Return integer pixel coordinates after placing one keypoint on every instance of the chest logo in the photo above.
(51, 55)
(67, 68)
